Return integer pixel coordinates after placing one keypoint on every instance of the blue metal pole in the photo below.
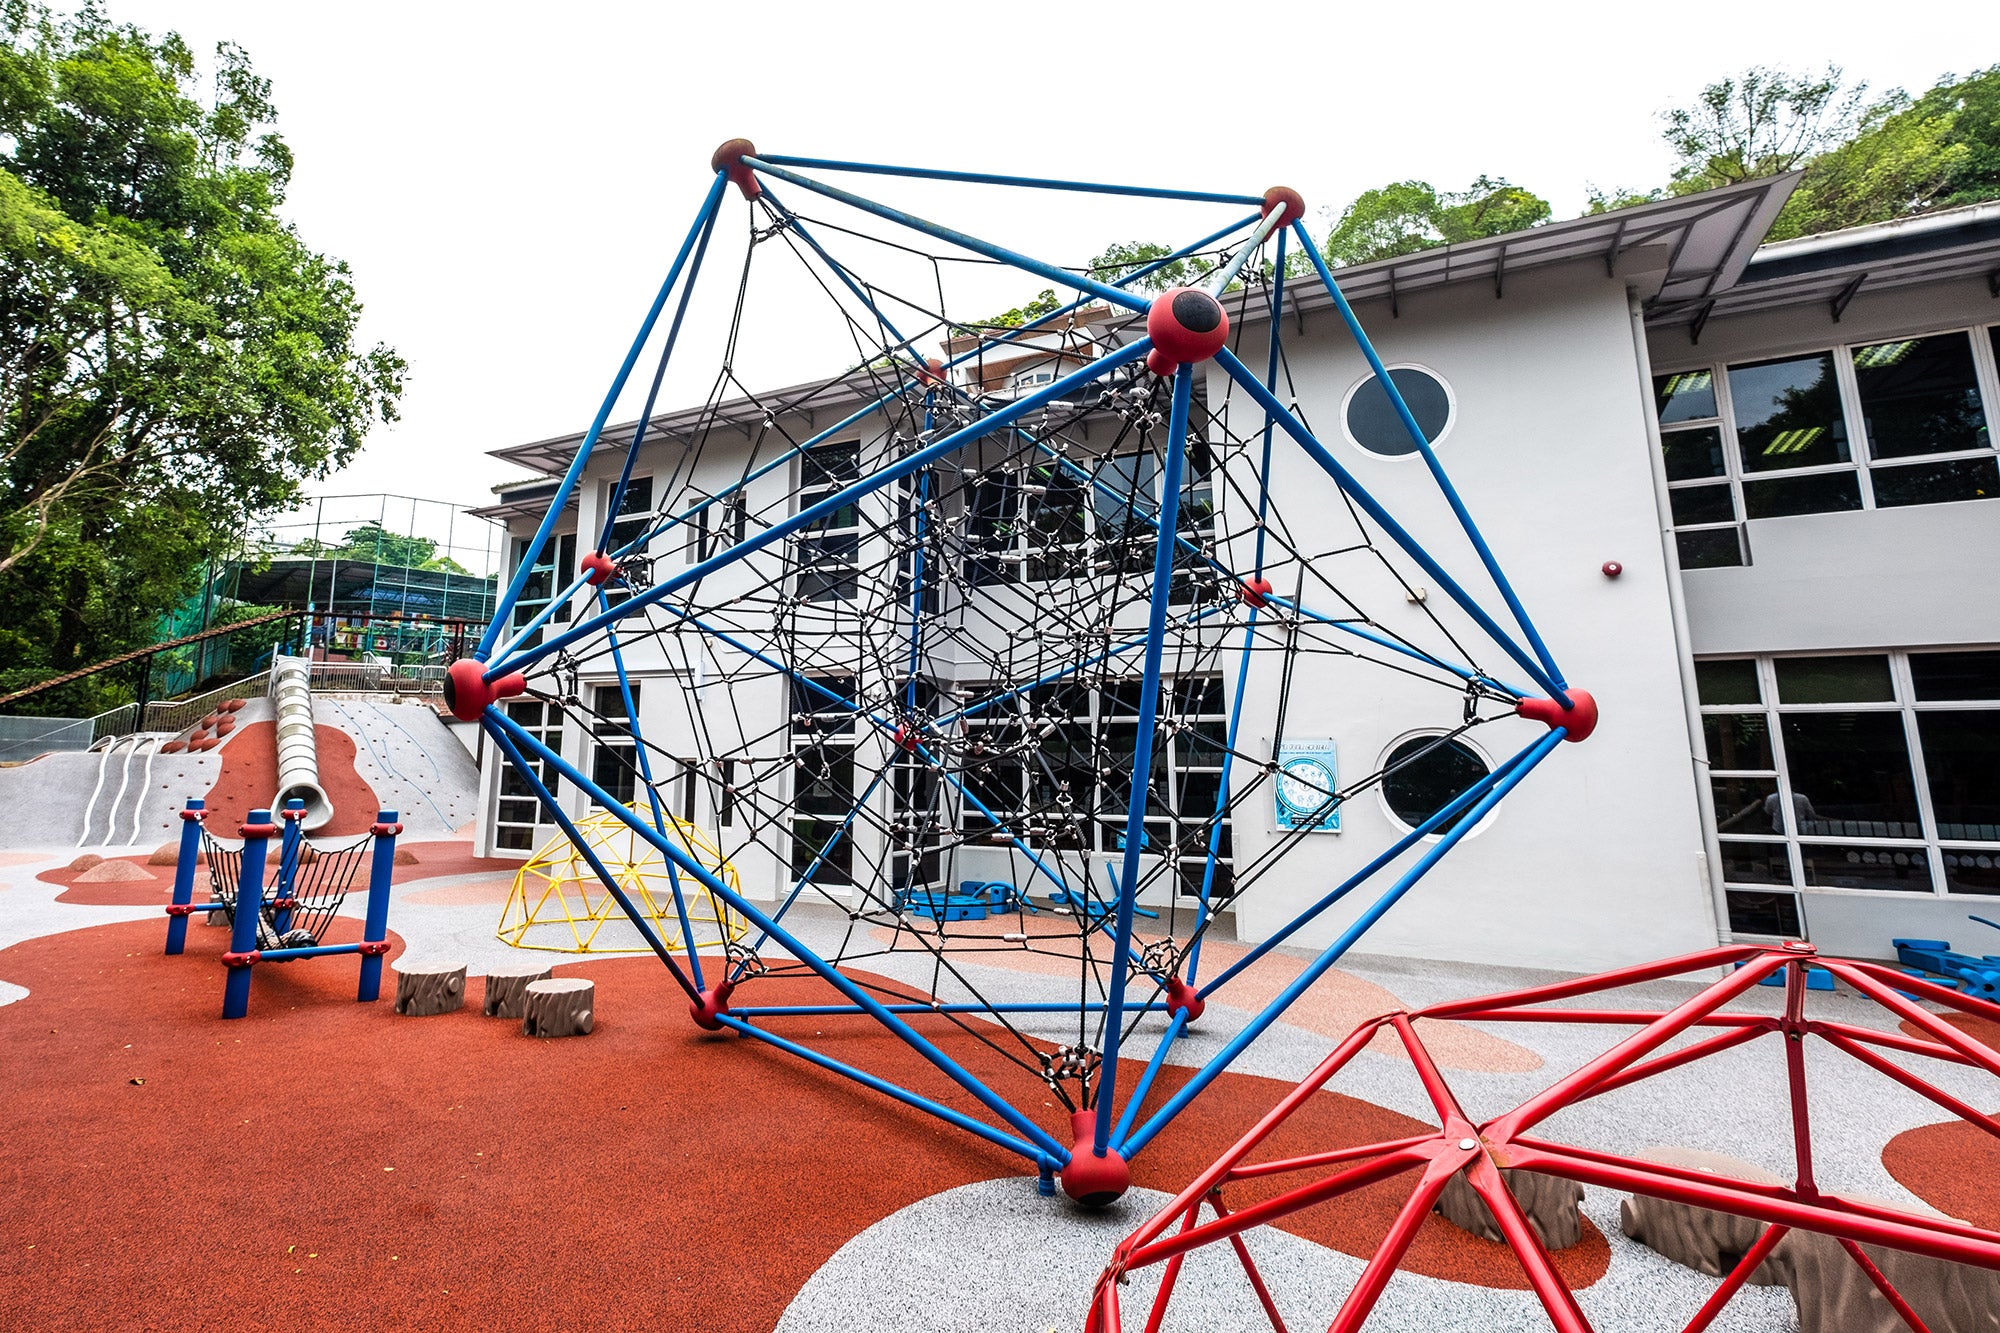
(1318, 968)
(1029, 182)
(811, 514)
(1073, 281)
(568, 826)
(1175, 1026)
(819, 859)
(1039, 1156)
(1430, 457)
(375, 925)
(1142, 752)
(190, 850)
(1271, 383)
(242, 955)
(833, 1010)
(504, 608)
(1373, 508)
(498, 724)
(294, 815)
(1464, 673)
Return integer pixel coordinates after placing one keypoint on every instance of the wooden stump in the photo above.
(559, 1007)
(507, 989)
(1703, 1239)
(429, 988)
(1835, 1296)
(1550, 1203)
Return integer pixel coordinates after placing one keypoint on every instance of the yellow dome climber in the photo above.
(560, 904)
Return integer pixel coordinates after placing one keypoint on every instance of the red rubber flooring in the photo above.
(249, 778)
(329, 1165)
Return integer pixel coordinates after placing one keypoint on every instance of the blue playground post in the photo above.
(375, 928)
(183, 903)
(242, 955)
(282, 898)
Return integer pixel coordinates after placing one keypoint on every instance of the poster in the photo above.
(1306, 774)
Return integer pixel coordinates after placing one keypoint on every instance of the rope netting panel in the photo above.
(302, 892)
(995, 657)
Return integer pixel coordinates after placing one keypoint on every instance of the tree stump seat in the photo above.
(423, 989)
(559, 1007)
(1550, 1203)
(507, 988)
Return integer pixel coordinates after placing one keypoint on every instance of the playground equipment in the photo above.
(298, 743)
(1016, 599)
(308, 889)
(553, 905)
(1974, 976)
(1478, 1151)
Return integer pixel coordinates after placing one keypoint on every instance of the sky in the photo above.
(510, 182)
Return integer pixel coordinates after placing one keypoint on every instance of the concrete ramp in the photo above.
(411, 759)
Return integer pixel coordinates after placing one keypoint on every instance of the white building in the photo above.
(1783, 451)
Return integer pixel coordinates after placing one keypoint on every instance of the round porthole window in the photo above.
(1423, 773)
(1371, 421)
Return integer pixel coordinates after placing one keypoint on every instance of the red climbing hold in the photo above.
(1580, 718)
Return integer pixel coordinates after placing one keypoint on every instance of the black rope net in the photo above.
(952, 667)
(303, 891)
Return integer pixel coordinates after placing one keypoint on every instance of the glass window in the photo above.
(1755, 862)
(1788, 413)
(1820, 493)
(1424, 773)
(1920, 396)
(1850, 774)
(1738, 742)
(1748, 805)
(1373, 422)
(1885, 869)
(1764, 914)
(1728, 681)
(1834, 680)
(1693, 454)
(1969, 871)
(614, 758)
(1709, 548)
(1948, 676)
(1962, 762)
(1936, 483)
(1702, 504)
(1687, 396)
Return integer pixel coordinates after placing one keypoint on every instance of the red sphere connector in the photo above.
(713, 1001)
(234, 959)
(932, 373)
(1091, 1180)
(467, 692)
(1580, 718)
(599, 567)
(906, 738)
(729, 159)
(1180, 995)
(1187, 326)
(283, 904)
(1256, 592)
(1285, 197)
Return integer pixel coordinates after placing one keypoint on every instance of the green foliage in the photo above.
(1045, 303)
(1604, 201)
(174, 359)
(1407, 216)
(373, 544)
(1758, 123)
(1130, 256)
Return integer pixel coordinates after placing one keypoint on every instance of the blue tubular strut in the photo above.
(1207, 1074)
(835, 1010)
(1133, 1101)
(1424, 830)
(504, 608)
(1142, 756)
(1373, 508)
(819, 859)
(1031, 182)
(1039, 1156)
(1416, 434)
(499, 723)
(811, 514)
(569, 831)
(1074, 281)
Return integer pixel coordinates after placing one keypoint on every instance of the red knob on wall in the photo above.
(1612, 569)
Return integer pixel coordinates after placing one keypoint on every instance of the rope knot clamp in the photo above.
(234, 959)
(283, 904)
(258, 831)
(372, 948)
(291, 815)
(385, 830)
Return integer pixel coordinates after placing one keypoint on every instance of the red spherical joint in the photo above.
(1285, 197)
(598, 568)
(1612, 569)
(1580, 718)
(729, 160)
(234, 959)
(707, 1013)
(258, 831)
(1091, 1180)
(1181, 996)
(385, 830)
(931, 374)
(1256, 592)
(372, 948)
(467, 692)
(1187, 326)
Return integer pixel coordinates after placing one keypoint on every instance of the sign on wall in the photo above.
(1307, 777)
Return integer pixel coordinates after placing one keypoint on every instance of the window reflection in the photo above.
(1693, 454)
(1962, 764)
(1886, 869)
(1850, 774)
(1920, 396)
(1687, 396)
(1788, 413)
(1936, 483)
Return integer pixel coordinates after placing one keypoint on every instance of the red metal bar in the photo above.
(1624, 976)
(1688, 1054)
(1975, 1051)
(1435, 1087)
(1639, 1044)
(1889, 1293)
(1795, 1076)
(1550, 1289)
(1929, 990)
(1895, 1041)
(1168, 1278)
(1334, 1158)
(1256, 1278)
(1360, 1302)
(1903, 1076)
(1738, 1275)
(1609, 1017)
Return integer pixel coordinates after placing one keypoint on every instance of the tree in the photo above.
(1758, 123)
(1128, 257)
(374, 544)
(174, 359)
(1045, 303)
(1407, 216)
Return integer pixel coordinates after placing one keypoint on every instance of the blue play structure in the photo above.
(1962, 972)
(306, 892)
